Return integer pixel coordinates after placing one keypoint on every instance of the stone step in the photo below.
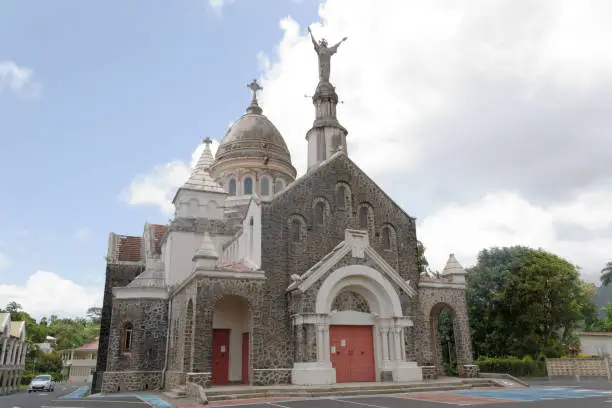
(181, 391)
(325, 392)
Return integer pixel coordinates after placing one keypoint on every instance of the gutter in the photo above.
(169, 320)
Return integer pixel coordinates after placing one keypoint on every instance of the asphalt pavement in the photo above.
(23, 399)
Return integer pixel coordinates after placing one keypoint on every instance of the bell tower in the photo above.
(327, 135)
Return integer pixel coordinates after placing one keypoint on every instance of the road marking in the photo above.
(98, 400)
(277, 405)
(358, 403)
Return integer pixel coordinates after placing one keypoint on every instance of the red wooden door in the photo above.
(352, 353)
(245, 358)
(220, 356)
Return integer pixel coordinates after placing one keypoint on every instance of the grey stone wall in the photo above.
(432, 302)
(149, 318)
(117, 275)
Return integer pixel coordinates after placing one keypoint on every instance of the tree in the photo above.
(606, 274)
(605, 324)
(95, 314)
(422, 262)
(524, 301)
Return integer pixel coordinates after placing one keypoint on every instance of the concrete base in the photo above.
(313, 374)
(407, 371)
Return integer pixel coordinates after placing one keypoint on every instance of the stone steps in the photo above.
(175, 393)
(219, 394)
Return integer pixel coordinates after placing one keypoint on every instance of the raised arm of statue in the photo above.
(334, 48)
(314, 42)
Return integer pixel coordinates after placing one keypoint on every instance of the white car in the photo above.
(41, 383)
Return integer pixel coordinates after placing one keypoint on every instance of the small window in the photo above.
(248, 186)
(296, 233)
(319, 213)
(264, 187)
(232, 187)
(278, 186)
(386, 238)
(127, 337)
(340, 196)
(363, 217)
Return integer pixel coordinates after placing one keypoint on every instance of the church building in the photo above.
(263, 278)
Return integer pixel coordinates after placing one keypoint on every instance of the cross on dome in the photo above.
(207, 141)
(254, 107)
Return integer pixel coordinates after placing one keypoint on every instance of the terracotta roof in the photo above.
(130, 248)
(158, 235)
(89, 346)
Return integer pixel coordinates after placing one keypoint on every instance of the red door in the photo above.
(352, 353)
(220, 356)
(245, 358)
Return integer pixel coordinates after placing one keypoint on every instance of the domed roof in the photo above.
(253, 135)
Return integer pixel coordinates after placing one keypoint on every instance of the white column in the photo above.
(7, 359)
(326, 355)
(403, 343)
(384, 339)
(320, 342)
(396, 341)
(3, 353)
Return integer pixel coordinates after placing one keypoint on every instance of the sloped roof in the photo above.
(93, 345)
(130, 248)
(200, 179)
(453, 267)
(152, 277)
(158, 236)
(17, 328)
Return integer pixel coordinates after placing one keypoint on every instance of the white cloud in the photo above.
(158, 186)
(488, 121)
(18, 80)
(46, 293)
(218, 5)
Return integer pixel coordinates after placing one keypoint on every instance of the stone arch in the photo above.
(127, 336)
(232, 187)
(264, 186)
(437, 350)
(388, 237)
(343, 196)
(365, 218)
(321, 211)
(297, 229)
(188, 334)
(349, 300)
(247, 185)
(194, 207)
(279, 185)
(367, 282)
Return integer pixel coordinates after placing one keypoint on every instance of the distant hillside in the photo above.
(603, 296)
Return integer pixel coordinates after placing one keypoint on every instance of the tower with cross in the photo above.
(254, 106)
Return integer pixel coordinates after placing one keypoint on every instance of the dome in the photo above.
(253, 136)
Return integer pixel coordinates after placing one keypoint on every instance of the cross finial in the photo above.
(254, 107)
(207, 141)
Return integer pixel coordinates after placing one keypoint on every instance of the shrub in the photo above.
(525, 367)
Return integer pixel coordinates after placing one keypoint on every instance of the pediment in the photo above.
(357, 243)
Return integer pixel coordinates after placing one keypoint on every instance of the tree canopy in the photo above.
(524, 301)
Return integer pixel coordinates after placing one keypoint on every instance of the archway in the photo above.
(231, 341)
(442, 323)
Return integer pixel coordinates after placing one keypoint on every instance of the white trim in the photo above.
(125, 292)
(217, 273)
(368, 282)
(352, 318)
(441, 284)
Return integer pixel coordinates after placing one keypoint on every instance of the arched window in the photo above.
(296, 233)
(386, 238)
(232, 187)
(126, 337)
(264, 186)
(340, 196)
(278, 186)
(363, 217)
(319, 213)
(248, 186)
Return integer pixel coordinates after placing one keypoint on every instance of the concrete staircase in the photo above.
(177, 393)
(224, 393)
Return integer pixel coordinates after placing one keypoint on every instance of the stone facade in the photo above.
(275, 270)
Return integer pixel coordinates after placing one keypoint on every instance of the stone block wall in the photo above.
(586, 367)
(272, 376)
(469, 371)
(202, 379)
(117, 275)
(130, 381)
(429, 372)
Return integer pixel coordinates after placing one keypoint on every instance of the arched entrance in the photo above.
(365, 340)
(442, 324)
(231, 341)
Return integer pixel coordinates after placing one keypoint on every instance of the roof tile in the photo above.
(130, 249)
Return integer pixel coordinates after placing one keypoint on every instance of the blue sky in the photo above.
(121, 89)
(487, 122)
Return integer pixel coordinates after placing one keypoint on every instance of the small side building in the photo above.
(80, 363)
(596, 343)
(13, 350)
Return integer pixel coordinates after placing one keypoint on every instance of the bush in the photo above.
(525, 367)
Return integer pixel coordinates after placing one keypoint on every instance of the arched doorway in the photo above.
(231, 341)
(442, 323)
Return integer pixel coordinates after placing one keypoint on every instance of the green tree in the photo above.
(94, 314)
(606, 274)
(525, 302)
(422, 262)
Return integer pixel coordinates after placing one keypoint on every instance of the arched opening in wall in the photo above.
(231, 341)
(442, 320)
(248, 186)
(264, 186)
(231, 189)
(127, 334)
(188, 338)
(297, 229)
(319, 213)
(342, 197)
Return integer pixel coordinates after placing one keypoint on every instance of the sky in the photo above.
(487, 121)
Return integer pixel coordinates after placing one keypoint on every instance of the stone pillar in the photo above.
(3, 352)
(320, 343)
(307, 371)
(7, 359)
(397, 337)
(384, 343)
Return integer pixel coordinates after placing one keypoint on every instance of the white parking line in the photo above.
(99, 400)
(358, 403)
(277, 405)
